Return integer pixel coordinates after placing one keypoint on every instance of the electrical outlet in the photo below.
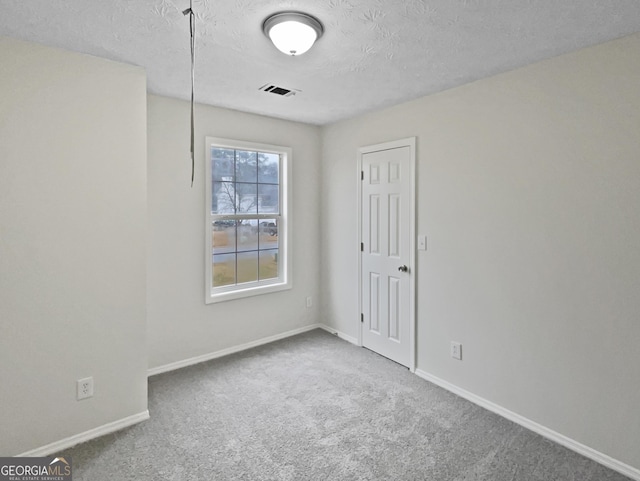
(309, 302)
(84, 388)
(456, 350)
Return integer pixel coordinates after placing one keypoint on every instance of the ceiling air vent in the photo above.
(274, 89)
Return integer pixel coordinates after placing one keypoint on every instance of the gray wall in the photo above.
(72, 243)
(528, 191)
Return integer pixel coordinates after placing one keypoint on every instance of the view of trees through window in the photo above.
(245, 213)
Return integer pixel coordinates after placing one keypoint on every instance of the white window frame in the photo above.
(283, 281)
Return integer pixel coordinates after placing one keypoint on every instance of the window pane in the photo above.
(223, 198)
(248, 235)
(246, 166)
(269, 264)
(247, 198)
(268, 165)
(224, 270)
(268, 234)
(268, 199)
(247, 266)
(223, 237)
(222, 163)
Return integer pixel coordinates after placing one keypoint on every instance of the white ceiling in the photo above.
(374, 53)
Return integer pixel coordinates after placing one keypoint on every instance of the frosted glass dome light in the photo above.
(292, 33)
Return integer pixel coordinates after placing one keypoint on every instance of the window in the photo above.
(247, 219)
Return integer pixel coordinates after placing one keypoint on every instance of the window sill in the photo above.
(240, 293)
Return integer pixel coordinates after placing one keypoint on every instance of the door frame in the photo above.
(411, 143)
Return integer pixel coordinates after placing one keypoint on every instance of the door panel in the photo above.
(374, 224)
(386, 232)
(374, 305)
(394, 308)
(395, 226)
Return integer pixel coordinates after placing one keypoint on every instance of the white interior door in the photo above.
(387, 227)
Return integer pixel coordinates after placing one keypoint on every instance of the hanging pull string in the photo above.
(192, 30)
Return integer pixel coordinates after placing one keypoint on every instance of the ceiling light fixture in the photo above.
(293, 33)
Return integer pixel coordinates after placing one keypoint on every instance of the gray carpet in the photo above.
(314, 407)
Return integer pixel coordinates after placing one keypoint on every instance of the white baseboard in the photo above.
(340, 334)
(231, 350)
(554, 436)
(249, 345)
(71, 441)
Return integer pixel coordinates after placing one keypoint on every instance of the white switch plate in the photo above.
(422, 242)
(309, 302)
(456, 350)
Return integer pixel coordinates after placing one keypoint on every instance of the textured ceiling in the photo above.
(374, 53)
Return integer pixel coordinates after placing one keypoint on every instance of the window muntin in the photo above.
(247, 236)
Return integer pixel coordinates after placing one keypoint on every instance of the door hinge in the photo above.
(362, 318)
(362, 175)
(361, 246)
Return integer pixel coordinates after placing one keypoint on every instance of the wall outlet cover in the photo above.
(84, 388)
(456, 350)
